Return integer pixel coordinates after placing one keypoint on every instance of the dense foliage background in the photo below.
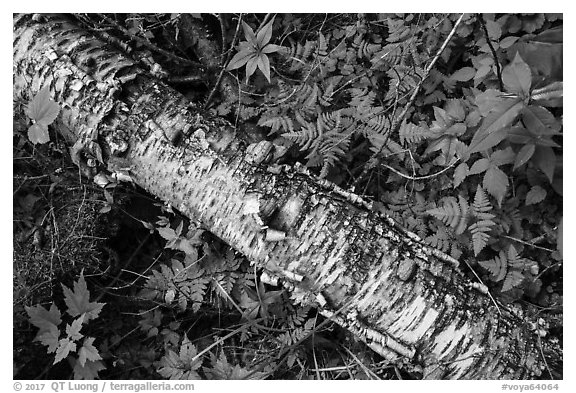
(451, 122)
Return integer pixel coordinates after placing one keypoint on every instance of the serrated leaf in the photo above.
(38, 133)
(491, 266)
(497, 266)
(73, 331)
(42, 109)
(539, 120)
(524, 155)
(502, 157)
(488, 100)
(513, 279)
(517, 77)
(88, 352)
(494, 30)
(508, 41)
(78, 301)
(495, 182)
(490, 141)
(460, 173)
(180, 366)
(167, 233)
(514, 260)
(502, 116)
(463, 74)
(481, 205)
(479, 166)
(44, 319)
(65, 346)
(479, 238)
(50, 338)
(535, 195)
(89, 371)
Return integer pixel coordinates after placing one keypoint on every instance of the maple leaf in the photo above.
(50, 338)
(89, 370)
(65, 346)
(182, 365)
(73, 331)
(78, 300)
(44, 319)
(221, 369)
(88, 352)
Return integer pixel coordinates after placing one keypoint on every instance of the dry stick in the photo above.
(489, 41)
(211, 95)
(375, 159)
(150, 45)
(527, 243)
(420, 177)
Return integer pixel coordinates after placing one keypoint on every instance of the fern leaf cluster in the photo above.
(457, 214)
(506, 267)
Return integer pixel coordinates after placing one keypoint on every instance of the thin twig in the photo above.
(528, 244)
(420, 177)
(375, 159)
(482, 282)
(224, 65)
(489, 41)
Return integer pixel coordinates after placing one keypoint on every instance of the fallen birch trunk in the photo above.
(407, 301)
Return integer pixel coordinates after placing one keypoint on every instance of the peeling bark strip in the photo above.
(407, 301)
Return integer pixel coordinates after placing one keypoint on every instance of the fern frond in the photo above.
(480, 235)
(291, 337)
(439, 239)
(277, 124)
(453, 213)
(482, 205)
(390, 55)
(412, 133)
(178, 283)
(497, 266)
(514, 260)
(506, 266)
(364, 49)
(305, 137)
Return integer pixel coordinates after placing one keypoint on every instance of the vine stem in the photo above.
(489, 41)
(374, 161)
